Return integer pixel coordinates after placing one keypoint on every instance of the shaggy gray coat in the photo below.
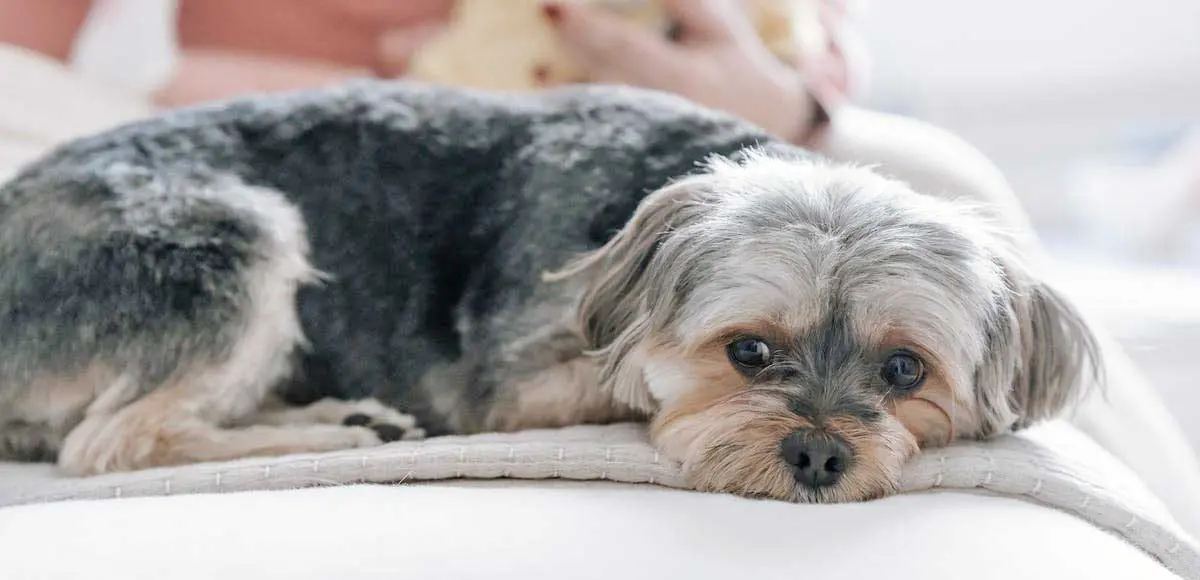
(431, 215)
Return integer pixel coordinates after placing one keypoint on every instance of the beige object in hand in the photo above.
(500, 44)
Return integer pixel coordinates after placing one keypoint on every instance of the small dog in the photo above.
(382, 261)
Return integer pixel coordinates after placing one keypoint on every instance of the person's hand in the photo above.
(717, 60)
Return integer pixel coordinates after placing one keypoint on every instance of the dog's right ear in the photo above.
(614, 309)
(1042, 355)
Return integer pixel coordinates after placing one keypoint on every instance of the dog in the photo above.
(387, 261)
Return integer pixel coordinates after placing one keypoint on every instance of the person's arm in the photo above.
(46, 26)
(209, 74)
(206, 75)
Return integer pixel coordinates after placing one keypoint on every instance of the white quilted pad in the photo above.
(1053, 465)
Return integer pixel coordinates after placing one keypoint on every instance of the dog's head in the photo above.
(798, 330)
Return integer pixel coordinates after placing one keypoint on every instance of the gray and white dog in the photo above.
(381, 261)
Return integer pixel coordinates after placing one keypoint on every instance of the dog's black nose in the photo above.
(817, 458)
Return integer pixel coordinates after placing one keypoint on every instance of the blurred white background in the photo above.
(1092, 110)
(1042, 86)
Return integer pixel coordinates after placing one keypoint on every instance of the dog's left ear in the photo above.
(623, 286)
(1042, 357)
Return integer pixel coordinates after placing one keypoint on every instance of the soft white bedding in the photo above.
(565, 530)
(593, 529)
(1053, 465)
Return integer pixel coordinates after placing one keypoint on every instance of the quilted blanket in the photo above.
(1053, 465)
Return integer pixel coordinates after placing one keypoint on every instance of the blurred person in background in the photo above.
(227, 48)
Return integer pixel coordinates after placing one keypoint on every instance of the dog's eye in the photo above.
(749, 353)
(904, 371)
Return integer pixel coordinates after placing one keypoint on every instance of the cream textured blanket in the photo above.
(1053, 465)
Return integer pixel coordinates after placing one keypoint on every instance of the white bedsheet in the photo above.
(1053, 465)
(534, 530)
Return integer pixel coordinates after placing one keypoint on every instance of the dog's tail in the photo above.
(21, 441)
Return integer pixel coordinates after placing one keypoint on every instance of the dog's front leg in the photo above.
(563, 394)
(160, 430)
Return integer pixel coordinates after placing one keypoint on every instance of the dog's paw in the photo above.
(360, 437)
(387, 423)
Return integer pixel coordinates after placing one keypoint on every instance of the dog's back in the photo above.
(157, 266)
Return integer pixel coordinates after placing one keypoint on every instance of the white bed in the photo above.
(965, 520)
(1048, 503)
(553, 530)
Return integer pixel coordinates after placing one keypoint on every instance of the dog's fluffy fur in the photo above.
(161, 283)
